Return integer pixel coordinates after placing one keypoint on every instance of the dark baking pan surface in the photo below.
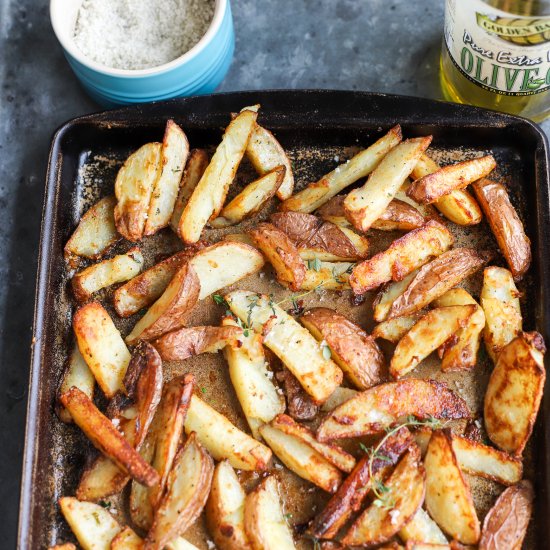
(314, 120)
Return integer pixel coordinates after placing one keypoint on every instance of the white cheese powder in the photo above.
(138, 34)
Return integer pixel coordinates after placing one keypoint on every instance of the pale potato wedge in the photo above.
(102, 347)
(223, 440)
(197, 162)
(500, 302)
(423, 529)
(430, 332)
(173, 156)
(364, 205)
(388, 294)
(394, 329)
(448, 498)
(375, 409)
(339, 395)
(185, 497)
(225, 510)
(180, 543)
(95, 234)
(127, 539)
(505, 224)
(291, 342)
(141, 509)
(327, 276)
(514, 392)
(264, 523)
(505, 525)
(93, 526)
(361, 165)
(352, 349)
(133, 188)
(240, 238)
(208, 197)
(106, 273)
(402, 257)
(281, 253)
(251, 199)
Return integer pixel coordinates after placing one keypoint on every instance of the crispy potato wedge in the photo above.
(422, 528)
(185, 497)
(364, 205)
(127, 539)
(505, 224)
(448, 497)
(395, 329)
(352, 349)
(406, 487)
(208, 197)
(133, 189)
(327, 276)
(173, 156)
(430, 332)
(506, 523)
(223, 440)
(225, 510)
(375, 409)
(402, 257)
(291, 342)
(514, 392)
(264, 523)
(102, 347)
(361, 165)
(93, 526)
(339, 395)
(500, 303)
(95, 234)
(106, 273)
(388, 294)
(281, 253)
(197, 162)
(251, 199)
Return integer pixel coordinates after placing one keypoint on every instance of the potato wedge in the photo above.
(506, 523)
(141, 509)
(430, 332)
(364, 205)
(127, 539)
(185, 497)
(63, 546)
(101, 346)
(251, 199)
(361, 165)
(448, 497)
(327, 276)
(225, 509)
(264, 523)
(352, 349)
(223, 440)
(375, 409)
(173, 156)
(208, 197)
(299, 405)
(339, 396)
(95, 234)
(500, 303)
(505, 224)
(281, 254)
(291, 342)
(106, 273)
(514, 392)
(93, 526)
(402, 257)
(388, 294)
(422, 528)
(405, 491)
(133, 189)
(395, 329)
(179, 543)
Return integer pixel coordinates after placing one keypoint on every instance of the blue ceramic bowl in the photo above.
(199, 71)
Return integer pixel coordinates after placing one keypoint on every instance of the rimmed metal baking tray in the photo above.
(316, 125)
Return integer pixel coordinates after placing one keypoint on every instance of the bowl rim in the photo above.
(72, 49)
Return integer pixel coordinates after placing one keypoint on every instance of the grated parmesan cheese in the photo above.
(132, 34)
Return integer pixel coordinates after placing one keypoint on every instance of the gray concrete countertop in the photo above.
(379, 45)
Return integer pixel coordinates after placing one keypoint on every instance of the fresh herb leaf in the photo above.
(314, 264)
(104, 504)
(220, 300)
(203, 390)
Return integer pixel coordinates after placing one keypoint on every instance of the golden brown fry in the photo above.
(127, 539)
(395, 329)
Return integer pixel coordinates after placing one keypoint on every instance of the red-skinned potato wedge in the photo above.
(388, 293)
(505, 225)
(186, 494)
(394, 329)
(102, 347)
(505, 524)
(448, 497)
(402, 257)
(423, 528)
(514, 392)
(364, 205)
(361, 165)
(133, 188)
(353, 350)
(127, 539)
(375, 409)
(299, 405)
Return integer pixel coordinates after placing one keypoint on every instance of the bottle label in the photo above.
(500, 52)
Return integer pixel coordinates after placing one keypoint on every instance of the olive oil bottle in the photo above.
(496, 54)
